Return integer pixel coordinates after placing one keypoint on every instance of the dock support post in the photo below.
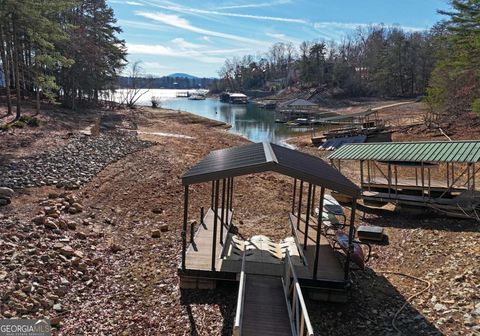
(368, 175)
(361, 173)
(422, 175)
(319, 229)
(351, 233)
(299, 204)
(448, 176)
(312, 210)
(213, 190)
(231, 194)
(474, 173)
(228, 202)
(453, 172)
(192, 231)
(184, 229)
(215, 222)
(429, 184)
(307, 215)
(294, 195)
(468, 176)
(222, 221)
(396, 179)
(389, 180)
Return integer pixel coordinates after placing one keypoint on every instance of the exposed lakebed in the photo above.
(248, 120)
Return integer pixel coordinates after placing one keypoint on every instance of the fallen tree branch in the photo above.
(441, 131)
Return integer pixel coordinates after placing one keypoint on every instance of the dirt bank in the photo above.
(134, 288)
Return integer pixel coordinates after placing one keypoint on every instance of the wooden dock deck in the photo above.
(199, 254)
(262, 256)
(329, 267)
(265, 310)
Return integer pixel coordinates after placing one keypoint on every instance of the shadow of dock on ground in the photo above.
(224, 297)
(373, 303)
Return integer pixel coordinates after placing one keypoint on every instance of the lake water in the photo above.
(248, 120)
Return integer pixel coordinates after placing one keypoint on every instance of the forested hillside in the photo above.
(168, 82)
(57, 49)
(377, 61)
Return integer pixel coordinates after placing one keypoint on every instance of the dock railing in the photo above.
(297, 310)
(237, 327)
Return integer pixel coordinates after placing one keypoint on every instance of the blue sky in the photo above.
(197, 36)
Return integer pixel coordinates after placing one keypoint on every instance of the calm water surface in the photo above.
(247, 120)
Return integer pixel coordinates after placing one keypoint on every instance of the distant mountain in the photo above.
(181, 75)
(173, 81)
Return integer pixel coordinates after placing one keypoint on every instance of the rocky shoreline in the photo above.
(103, 259)
(73, 165)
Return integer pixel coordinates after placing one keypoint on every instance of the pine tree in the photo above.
(455, 83)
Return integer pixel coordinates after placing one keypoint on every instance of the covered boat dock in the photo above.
(306, 259)
(435, 174)
(297, 109)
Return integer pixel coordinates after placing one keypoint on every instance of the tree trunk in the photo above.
(37, 104)
(16, 68)
(6, 69)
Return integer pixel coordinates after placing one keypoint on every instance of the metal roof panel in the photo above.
(426, 151)
(260, 157)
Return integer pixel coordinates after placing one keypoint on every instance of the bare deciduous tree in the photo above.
(139, 85)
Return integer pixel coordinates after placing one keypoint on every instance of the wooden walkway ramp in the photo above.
(265, 308)
(271, 305)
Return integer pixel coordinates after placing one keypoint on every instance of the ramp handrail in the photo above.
(297, 310)
(237, 327)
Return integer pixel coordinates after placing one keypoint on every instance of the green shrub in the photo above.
(6, 127)
(19, 124)
(33, 122)
(30, 121)
(476, 106)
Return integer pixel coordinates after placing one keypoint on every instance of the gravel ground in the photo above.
(106, 275)
(71, 165)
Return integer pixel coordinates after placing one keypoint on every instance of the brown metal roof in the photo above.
(426, 151)
(261, 157)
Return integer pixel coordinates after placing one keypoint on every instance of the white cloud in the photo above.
(352, 26)
(182, 43)
(183, 9)
(140, 25)
(134, 3)
(178, 22)
(154, 65)
(204, 56)
(277, 36)
(257, 5)
(148, 49)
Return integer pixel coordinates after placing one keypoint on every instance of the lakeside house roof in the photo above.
(262, 157)
(425, 151)
(237, 95)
